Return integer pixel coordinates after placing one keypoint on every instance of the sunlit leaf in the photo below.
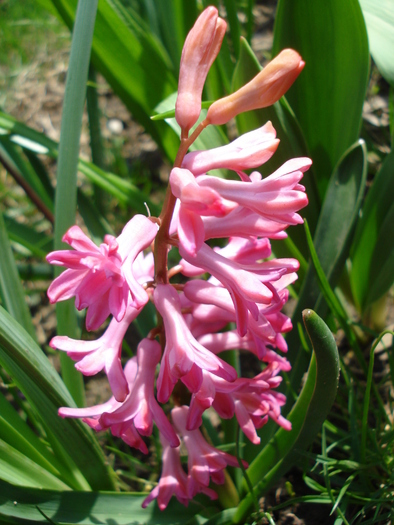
(328, 96)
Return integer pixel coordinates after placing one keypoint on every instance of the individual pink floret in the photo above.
(246, 286)
(205, 462)
(277, 197)
(173, 480)
(101, 354)
(250, 150)
(102, 278)
(183, 355)
(140, 406)
(91, 415)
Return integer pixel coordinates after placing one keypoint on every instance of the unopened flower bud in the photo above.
(201, 47)
(263, 90)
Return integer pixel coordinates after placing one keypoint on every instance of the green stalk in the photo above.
(96, 140)
(66, 189)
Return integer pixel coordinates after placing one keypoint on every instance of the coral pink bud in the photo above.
(199, 51)
(263, 90)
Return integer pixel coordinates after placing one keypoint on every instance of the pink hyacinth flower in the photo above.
(183, 355)
(103, 353)
(91, 415)
(140, 406)
(250, 150)
(200, 49)
(102, 278)
(245, 287)
(277, 197)
(173, 480)
(205, 462)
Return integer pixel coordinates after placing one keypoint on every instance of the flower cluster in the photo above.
(231, 298)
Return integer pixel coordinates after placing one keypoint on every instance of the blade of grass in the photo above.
(12, 293)
(66, 186)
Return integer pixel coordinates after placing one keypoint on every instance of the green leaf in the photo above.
(307, 416)
(332, 240)
(26, 173)
(11, 290)
(16, 432)
(38, 243)
(373, 248)
(16, 468)
(23, 505)
(328, 96)
(31, 371)
(379, 18)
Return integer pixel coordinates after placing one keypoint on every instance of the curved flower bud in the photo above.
(263, 90)
(201, 47)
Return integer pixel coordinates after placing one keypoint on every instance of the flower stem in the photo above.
(162, 237)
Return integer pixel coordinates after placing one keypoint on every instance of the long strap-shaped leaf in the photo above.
(328, 96)
(332, 240)
(21, 505)
(66, 177)
(11, 289)
(307, 415)
(31, 371)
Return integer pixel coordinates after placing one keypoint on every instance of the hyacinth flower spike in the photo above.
(245, 285)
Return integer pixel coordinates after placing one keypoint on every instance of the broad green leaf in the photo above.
(32, 373)
(11, 289)
(23, 505)
(307, 416)
(379, 18)
(134, 63)
(332, 240)
(372, 252)
(328, 96)
(174, 19)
